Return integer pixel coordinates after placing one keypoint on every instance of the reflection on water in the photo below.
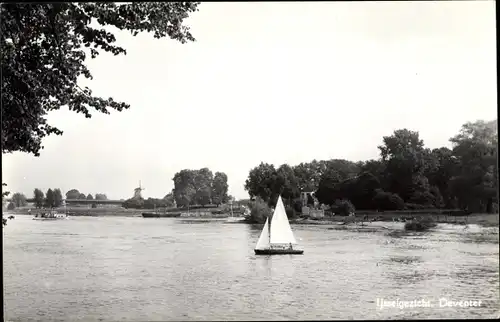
(137, 269)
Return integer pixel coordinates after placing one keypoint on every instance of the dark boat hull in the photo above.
(278, 252)
(153, 215)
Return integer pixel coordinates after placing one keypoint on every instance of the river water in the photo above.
(136, 269)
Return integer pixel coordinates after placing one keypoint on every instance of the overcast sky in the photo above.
(273, 82)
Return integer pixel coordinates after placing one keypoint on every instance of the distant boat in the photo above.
(233, 219)
(160, 215)
(157, 214)
(50, 216)
(277, 236)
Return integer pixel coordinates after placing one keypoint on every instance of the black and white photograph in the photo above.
(249, 161)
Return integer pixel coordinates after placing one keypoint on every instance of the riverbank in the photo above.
(486, 220)
(115, 212)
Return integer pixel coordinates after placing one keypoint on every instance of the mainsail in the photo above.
(263, 241)
(281, 232)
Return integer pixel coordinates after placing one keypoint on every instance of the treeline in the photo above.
(191, 187)
(150, 203)
(75, 194)
(200, 187)
(406, 176)
(51, 199)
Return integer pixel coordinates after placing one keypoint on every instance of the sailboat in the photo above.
(233, 219)
(277, 237)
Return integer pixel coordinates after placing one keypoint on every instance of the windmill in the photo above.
(137, 191)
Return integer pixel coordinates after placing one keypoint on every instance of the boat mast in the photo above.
(269, 227)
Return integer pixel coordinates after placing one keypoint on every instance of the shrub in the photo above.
(259, 211)
(133, 203)
(11, 206)
(388, 201)
(290, 212)
(343, 207)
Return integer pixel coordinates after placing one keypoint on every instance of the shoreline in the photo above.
(487, 220)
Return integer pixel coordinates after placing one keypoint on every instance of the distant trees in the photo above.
(101, 196)
(169, 200)
(407, 176)
(203, 180)
(49, 199)
(39, 198)
(54, 197)
(150, 203)
(199, 187)
(58, 198)
(19, 199)
(220, 188)
(73, 194)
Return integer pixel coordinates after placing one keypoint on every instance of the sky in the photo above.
(282, 82)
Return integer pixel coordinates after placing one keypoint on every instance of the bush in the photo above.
(297, 206)
(133, 203)
(388, 201)
(259, 211)
(291, 212)
(11, 206)
(343, 207)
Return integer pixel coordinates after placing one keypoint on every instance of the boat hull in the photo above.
(278, 252)
(153, 215)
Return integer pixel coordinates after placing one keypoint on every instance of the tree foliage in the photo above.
(19, 200)
(184, 187)
(58, 198)
(73, 194)
(259, 211)
(43, 51)
(203, 180)
(220, 188)
(169, 200)
(39, 198)
(100, 196)
(49, 199)
(407, 175)
(199, 187)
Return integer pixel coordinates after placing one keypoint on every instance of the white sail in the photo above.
(281, 232)
(263, 241)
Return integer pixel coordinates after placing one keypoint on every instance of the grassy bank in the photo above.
(488, 220)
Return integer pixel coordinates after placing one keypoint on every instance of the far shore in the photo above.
(487, 220)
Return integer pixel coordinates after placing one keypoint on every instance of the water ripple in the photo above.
(132, 269)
